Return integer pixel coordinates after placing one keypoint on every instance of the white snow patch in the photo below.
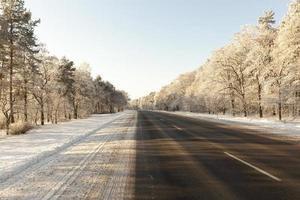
(19, 152)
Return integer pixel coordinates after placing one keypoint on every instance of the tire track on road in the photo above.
(50, 178)
(59, 188)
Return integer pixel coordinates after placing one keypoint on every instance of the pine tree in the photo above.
(20, 40)
(66, 73)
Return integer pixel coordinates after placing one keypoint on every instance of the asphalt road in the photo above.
(152, 155)
(184, 158)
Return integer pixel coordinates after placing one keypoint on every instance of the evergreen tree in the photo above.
(20, 40)
(66, 73)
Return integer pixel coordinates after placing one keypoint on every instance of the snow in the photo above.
(99, 166)
(287, 129)
(20, 152)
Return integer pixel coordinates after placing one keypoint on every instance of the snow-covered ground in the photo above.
(19, 152)
(288, 130)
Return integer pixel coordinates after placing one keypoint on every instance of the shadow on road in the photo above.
(191, 164)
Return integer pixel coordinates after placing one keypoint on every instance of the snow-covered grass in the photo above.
(19, 152)
(288, 129)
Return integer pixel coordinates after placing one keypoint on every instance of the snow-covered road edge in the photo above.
(289, 130)
(19, 167)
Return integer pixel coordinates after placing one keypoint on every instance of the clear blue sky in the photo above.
(141, 45)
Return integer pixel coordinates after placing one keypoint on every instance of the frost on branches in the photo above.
(257, 73)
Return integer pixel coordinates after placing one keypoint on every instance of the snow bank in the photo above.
(281, 128)
(19, 152)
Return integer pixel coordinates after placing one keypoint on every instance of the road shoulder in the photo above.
(20, 152)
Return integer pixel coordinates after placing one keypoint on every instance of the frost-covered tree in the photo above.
(172, 96)
(288, 40)
(147, 102)
(36, 87)
(41, 81)
(234, 69)
(257, 72)
(285, 67)
(83, 92)
(259, 58)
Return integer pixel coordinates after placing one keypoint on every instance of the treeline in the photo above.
(37, 87)
(257, 73)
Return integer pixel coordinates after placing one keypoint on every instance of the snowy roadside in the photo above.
(19, 152)
(287, 130)
(100, 166)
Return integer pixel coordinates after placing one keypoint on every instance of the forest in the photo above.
(37, 87)
(255, 74)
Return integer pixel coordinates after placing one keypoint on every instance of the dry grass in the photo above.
(19, 128)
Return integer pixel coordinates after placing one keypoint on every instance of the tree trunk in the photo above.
(56, 117)
(49, 112)
(48, 117)
(111, 108)
(36, 117)
(232, 100)
(25, 104)
(261, 115)
(244, 105)
(42, 114)
(233, 106)
(75, 108)
(11, 104)
(280, 111)
(7, 126)
(260, 109)
(65, 111)
(245, 111)
(279, 106)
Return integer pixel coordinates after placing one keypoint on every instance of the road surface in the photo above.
(184, 158)
(153, 155)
